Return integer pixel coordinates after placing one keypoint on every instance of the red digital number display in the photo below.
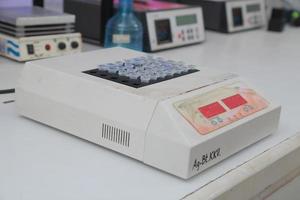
(234, 101)
(212, 110)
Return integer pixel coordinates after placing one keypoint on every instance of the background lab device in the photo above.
(163, 113)
(169, 25)
(28, 33)
(231, 15)
(166, 25)
(91, 17)
(277, 20)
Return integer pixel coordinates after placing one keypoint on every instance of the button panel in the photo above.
(189, 34)
(220, 107)
(50, 46)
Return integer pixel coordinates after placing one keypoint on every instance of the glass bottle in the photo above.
(124, 29)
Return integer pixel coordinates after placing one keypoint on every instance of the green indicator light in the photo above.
(295, 15)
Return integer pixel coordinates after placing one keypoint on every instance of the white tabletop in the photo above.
(38, 162)
(9, 72)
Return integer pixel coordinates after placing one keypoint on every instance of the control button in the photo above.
(234, 101)
(190, 37)
(30, 49)
(251, 20)
(179, 35)
(212, 110)
(254, 20)
(74, 45)
(48, 47)
(62, 46)
(257, 19)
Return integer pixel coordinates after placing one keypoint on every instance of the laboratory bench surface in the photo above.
(39, 162)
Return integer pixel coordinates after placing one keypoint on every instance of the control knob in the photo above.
(61, 46)
(74, 45)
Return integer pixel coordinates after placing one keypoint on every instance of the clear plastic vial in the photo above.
(124, 29)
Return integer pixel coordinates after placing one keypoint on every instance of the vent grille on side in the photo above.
(116, 135)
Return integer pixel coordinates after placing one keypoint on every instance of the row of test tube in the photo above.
(146, 69)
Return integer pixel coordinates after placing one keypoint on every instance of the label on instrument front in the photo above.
(220, 107)
(121, 39)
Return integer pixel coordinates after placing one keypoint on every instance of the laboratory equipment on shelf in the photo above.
(29, 33)
(231, 15)
(169, 25)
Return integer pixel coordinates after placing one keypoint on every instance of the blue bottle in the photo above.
(124, 29)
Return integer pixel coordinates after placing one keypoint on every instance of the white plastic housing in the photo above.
(180, 34)
(141, 123)
(250, 18)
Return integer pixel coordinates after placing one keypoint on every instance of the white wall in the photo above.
(280, 3)
(10, 3)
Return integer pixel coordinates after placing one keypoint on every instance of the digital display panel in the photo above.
(163, 31)
(220, 107)
(253, 8)
(237, 17)
(186, 20)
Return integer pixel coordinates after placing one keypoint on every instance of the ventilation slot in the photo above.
(116, 135)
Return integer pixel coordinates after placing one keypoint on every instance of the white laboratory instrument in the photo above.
(29, 33)
(169, 25)
(164, 113)
(232, 15)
